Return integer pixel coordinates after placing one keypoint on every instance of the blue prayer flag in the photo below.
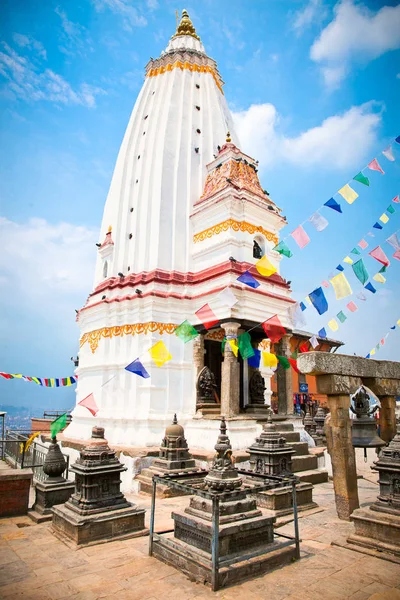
(378, 225)
(368, 356)
(318, 300)
(397, 139)
(73, 380)
(370, 288)
(303, 306)
(249, 280)
(340, 268)
(254, 361)
(137, 368)
(394, 327)
(322, 333)
(334, 205)
(57, 382)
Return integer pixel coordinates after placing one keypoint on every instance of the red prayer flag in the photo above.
(396, 255)
(375, 166)
(90, 403)
(380, 256)
(352, 306)
(303, 347)
(6, 375)
(207, 316)
(274, 329)
(396, 199)
(293, 363)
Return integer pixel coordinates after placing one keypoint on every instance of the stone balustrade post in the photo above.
(284, 378)
(230, 375)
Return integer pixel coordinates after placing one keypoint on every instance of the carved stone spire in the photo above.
(223, 477)
(186, 27)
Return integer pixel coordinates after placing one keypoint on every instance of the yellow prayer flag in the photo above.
(30, 440)
(269, 359)
(333, 325)
(159, 353)
(372, 352)
(308, 300)
(341, 286)
(265, 267)
(348, 260)
(348, 193)
(398, 322)
(384, 218)
(380, 278)
(234, 347)
(52, 382)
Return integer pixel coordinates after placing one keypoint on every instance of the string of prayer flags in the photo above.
(341, 316)
(372, 352)
(322, 333)
(352, 306)
(249, 280)
(318, 221)
(341, 286)
(380, 256)
(308, 300)
(377, 225)
(319, 301)
(160, 353)
(375, 166)
(314, 341)
(333, 325)
(355, 251)
(361, 178)
(265, 267)
(293, 364)
(388, 153)
(43, 381)
(234, 346)
(360, 271)
(340, 268)
(254, 361)
(270, 360)
(300, 236)
(363, 244)
(58, 425)
(186, 332)
(274, 329)
(282, 248)
(90, 403)
(137, 368)
(348, 260)
(331, 203)
(390, 209)
(206, 315)
(379, 278)
(227, 297)
(244, 344)
(384, 218)
(284, 362)
(394, 241)
(370, 287)
(348, 193)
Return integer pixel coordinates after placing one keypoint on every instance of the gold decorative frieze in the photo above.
(178, 64)
(216, 335)
(93, 337)
(236, 226)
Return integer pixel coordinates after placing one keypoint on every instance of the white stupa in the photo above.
(183, 200)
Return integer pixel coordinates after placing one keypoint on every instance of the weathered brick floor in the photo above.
(35, 565)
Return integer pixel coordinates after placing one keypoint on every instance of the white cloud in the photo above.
(311, 13)
(338, 142)
(355, 33)
(74, 37)
(152, 4)
(28, 81)
(28, 41)
(124, 8)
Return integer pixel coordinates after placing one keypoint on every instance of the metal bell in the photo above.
(364, 434)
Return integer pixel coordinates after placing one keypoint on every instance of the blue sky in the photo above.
(314, 87)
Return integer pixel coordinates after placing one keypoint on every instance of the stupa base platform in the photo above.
(376, 530)
(280, 500)
(196, 563)
(162, 491)
(78, 531)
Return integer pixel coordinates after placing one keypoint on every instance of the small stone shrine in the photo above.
(256, 394)
(97, 511)
(271, 455)
(242, 527)
(55, 489)
(378, 526)
(174, 457)
(319, 420)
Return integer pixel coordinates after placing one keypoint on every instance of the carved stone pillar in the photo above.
(198, 354)
(230, 375)
(284, 378)
(387, 418)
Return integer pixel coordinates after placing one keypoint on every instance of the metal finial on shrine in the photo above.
(174, 420)
(186, 26)
(228, 137)
(222, 477)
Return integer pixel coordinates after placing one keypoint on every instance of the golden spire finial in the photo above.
(109, 229)
(228, 137)
(186, 27)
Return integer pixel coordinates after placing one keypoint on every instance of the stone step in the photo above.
(313, 476)
(211, 410)
(304, 463)
(301, 448)
(290, 436)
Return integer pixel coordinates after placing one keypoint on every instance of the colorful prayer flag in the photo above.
(361, 178)
(244, 343)
(319, 301)
(348, 260)
(390, 209)
(372, 352)
(137, 368)
(355, 251)
(348, 193)
(333, 325)
(303, 306)
(284, 362)
(396, 199)
(341, 286)
(360, 271)
(325, 283)
(159, 352)
(293, 364)
(352, 306)
(380, 256)
(265, 267)
(295, 314)
(388, 153)
(227, 297)
(341, 316)
(186, 332)
(90, 403)
(384, 218)
(234, 346)
(282, 248)
(375, 166)
(314, 341)
(206, 316)
(394, 241)
(340, 268)
(274, 329)
(379, 278)
(331, 203)
(308, 300)
(300, 236)
(58, 425)
(377, 226)
(370, 287)
(249, 280)
(303, 347)
(318, 221)
(269, 360)
(363, 244)
(322, 333)
(396, 255)
(254, 361)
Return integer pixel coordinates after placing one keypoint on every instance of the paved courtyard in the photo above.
(36, 565)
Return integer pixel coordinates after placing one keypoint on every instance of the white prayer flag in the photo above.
(388, 153)
(361, 296)
(227, 297)
(296, 315)
(393, 240)
(318, 221)
(313, 341)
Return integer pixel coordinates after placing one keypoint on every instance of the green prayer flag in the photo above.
(341, 316)
(283, 361)
(355, 251)
(390, 209)
(57, 425)
(361, 178)
(186, 332)
(223, 346)
(383, 270)
(295, 354)
(377, 346)
(282, 248)
(245, 348)
(360, 271)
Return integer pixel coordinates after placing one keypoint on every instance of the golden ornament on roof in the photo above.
(186, 27)
(228, 137)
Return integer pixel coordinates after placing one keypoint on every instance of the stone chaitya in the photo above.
(174, 456)
(378, 526)
(97, 510)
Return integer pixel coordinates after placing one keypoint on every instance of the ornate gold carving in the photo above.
(264, 345)
(178, 64)
(239, 174)
(93, 337)
(236, 226)
(215, 334)
(186, 27)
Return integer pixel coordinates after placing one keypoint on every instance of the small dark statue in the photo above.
(257, 388)
(257, 250)
(206, 386)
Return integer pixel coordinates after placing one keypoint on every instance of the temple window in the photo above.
(105, 269)
(198, 130)
(258, 247)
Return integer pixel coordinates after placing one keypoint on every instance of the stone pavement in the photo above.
(36, 565)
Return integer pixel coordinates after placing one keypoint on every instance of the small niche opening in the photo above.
(258, 247)
(105, 269)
